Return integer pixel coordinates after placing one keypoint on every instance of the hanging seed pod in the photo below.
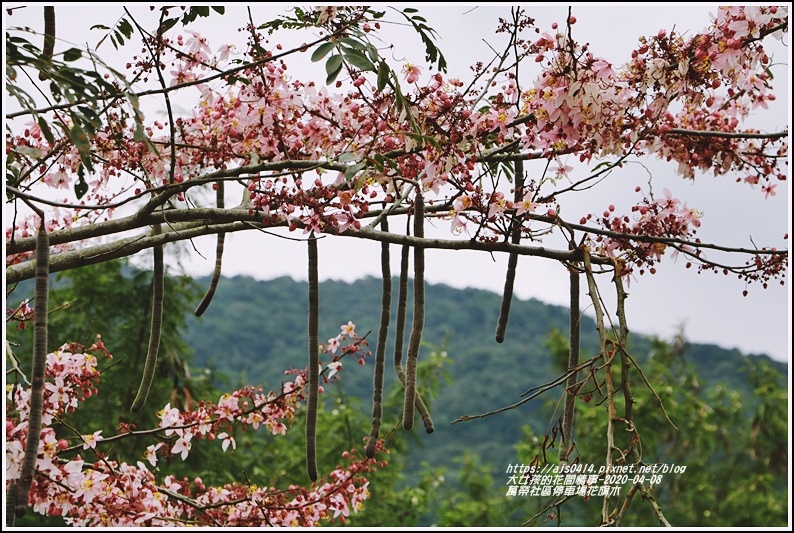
(402, 309)
(216, 273)
(314, 361)
(49, 31)
(48, 47)
(41, 295)
(11, 502)
(415, 339)
(512, 261)
(380, 350)
(158, 288)
(573, 361)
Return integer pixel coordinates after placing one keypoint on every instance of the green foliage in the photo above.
(85, 93)
(477, 499)
(732, 442)
(484, 376)
(432, 53)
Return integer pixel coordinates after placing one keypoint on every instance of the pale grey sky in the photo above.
(710, 307)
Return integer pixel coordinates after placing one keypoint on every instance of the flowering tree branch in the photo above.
(340, 159)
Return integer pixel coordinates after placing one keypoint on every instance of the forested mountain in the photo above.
(254, 330)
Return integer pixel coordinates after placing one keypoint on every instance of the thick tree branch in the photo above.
(728, 134)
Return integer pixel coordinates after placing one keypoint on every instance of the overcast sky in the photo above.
(710, 307)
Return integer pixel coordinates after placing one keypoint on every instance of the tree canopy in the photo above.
(369, 149)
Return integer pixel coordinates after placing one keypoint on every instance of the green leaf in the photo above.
(360, 182)
(29, 151)
(139, 135)
(333, 67)
(55, 91)
(80, 138)
(126, 28)
(17, 40)
(46, 131)
(219, 9)
(602, 164)
(72, 54)
(322, 50)
(80, 186)
(168, 24)
(12, 177)
(379, 161)
(353, 170)
(358, 60)
(333, 64)
(347, 157)
(383, 75)
(355, 43)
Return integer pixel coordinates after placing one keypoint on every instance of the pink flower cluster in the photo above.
(667, 218)
(111, 493)
(672, 99)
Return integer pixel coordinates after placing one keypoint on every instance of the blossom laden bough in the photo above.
(110, 493)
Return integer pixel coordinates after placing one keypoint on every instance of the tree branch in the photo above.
(727, 134)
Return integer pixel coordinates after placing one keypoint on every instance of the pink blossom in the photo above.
(227, 440)
(498, 204)
(458, 225)
(227, 407)
(90, 441)
(225, 50)
(183, 445)
(462, 203)
(349, 329)
(91, 485)
(333, 344)
(334, 367)
(526, 205)
(412, 72)
(151, 453)
(769, 190)
(57, 180)
(169, 417)
(691, 216)
(562, 170)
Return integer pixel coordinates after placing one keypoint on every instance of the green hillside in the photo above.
(255, 329)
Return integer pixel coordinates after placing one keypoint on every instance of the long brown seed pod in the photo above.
(216, 273)
(402, 307)
(512, 261)
(158, 288)
(11, 502)
(41, 294)
(415, 339)
(49, 31)
(48, 48)
(380, 350)
(314, 361)
(573, 361)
